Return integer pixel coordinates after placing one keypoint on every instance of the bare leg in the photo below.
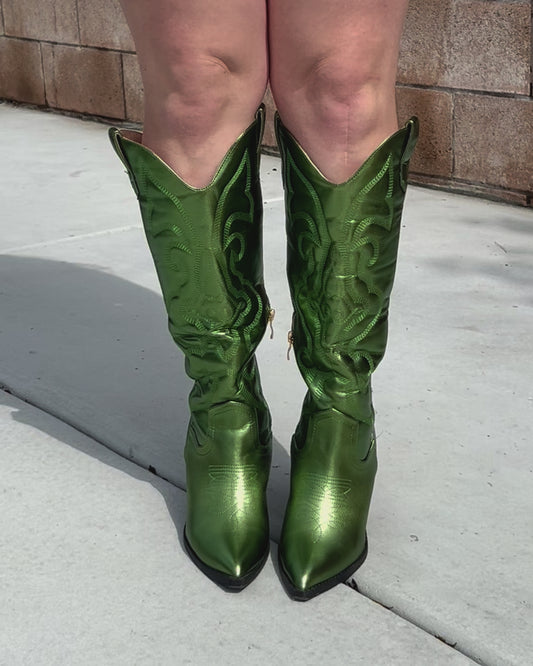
(204, 69)
(332, 72)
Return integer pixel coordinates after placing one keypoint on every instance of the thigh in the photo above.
(231, 34)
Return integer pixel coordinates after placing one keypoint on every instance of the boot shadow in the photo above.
(92, 349)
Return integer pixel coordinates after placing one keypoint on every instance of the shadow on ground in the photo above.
(92, 349)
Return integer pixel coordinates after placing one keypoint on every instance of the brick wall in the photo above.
(465, 70)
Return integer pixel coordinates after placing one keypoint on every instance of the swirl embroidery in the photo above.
(212, 292)
(338, 300)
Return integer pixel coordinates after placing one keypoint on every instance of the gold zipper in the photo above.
(290, 340)
(270, 321)
(290, 337)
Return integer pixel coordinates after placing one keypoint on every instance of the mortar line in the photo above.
(531, 55)
(78, 24)
(43, 74)
(469, 91)
(123, 84)
(79, 45)
(453, 131)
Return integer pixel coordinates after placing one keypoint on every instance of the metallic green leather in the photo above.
(207, 249)
(342, 250)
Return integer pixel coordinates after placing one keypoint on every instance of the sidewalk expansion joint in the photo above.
(408, 617)
(60, 417)
(68, 239)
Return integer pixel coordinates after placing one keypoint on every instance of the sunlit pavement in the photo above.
(92, 567)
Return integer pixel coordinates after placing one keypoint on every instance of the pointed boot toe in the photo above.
(231, 564)
(323, 540)
(227, 530)
(308, 569)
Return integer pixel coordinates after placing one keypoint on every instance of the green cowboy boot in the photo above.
(342, 249)
(207, 248)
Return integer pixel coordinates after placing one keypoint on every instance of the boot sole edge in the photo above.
(297, 594)
(227, 582)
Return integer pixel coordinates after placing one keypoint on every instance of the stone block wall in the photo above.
(73, 55)
(465, 70)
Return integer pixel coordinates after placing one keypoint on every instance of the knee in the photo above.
(196, 90)
(335, 92)
(334, 85)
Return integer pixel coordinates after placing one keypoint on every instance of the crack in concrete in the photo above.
(407, 617)
(151, 469)
(69, 239)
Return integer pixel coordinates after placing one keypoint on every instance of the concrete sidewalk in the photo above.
(92, 569)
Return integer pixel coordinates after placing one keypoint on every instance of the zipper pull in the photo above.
(290, 339)
(270, 321)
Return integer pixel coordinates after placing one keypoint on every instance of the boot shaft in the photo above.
(342, 250)
(207, 248)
